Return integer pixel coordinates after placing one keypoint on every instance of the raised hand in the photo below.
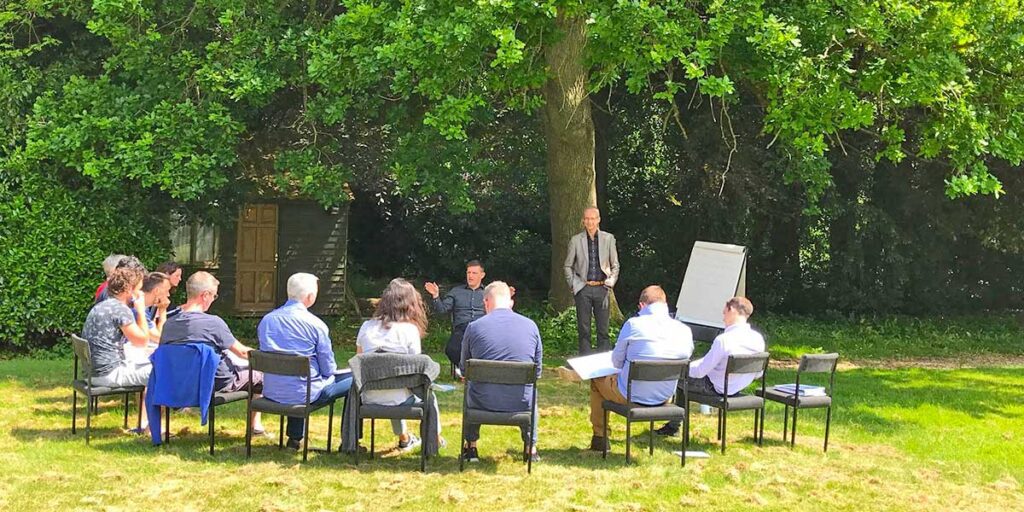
(432, 289)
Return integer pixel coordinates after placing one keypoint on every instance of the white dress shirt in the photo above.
(738, 339)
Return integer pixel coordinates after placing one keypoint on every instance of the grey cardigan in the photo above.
(382, 370)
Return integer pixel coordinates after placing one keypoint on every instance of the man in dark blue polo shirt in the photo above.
(501, 335)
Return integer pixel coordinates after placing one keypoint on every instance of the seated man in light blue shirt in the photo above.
(651, 335)
(292, 329)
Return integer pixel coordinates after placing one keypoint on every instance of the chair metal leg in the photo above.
(785, 425)
(138, 422)
(718, 432)
(828, 421)
(95, 405)
(757, 417)
(423, 450)
(212, 421)
(686, 433)
(373, 435)
(650, 438)
(74, 411)
(126, 411)
(462, 441)
(248, 431)
(305, 435)
(330, 425)
(629, 438)
(88, 420)
(793, 434)
(167, 425)
(529, 453)
(359, 435)
(280, 432)
(604, 447)
(760, 434)
(725, 417)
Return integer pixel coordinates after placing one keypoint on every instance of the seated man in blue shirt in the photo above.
(652, 334)
(292, 329)
(501, 335)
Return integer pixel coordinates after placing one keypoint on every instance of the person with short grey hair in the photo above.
(195, 325)
(293, 329)
(109, 264)
(501, 335)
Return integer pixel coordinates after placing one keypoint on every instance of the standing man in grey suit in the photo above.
(591, 269)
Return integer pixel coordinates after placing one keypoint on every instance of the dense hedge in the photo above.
(52, 242)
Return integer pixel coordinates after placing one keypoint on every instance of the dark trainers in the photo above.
(294, 444)
(667, 430)
(598, 444)
(410, 444)
(469, 454)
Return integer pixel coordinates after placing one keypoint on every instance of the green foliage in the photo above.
(54, 240)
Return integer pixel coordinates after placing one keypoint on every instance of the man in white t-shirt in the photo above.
(707, 374)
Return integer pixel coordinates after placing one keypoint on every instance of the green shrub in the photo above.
(52, 243)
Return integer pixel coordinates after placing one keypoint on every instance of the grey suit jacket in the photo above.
(576, 261)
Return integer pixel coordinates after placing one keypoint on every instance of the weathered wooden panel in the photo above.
(314, 240)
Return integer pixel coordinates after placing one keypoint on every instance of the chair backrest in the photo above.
(659, 369)
(83, 355)
(747, 363)
(501, 372)
(818, 363)
(279, 364)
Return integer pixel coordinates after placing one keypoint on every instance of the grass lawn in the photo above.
(902, 439)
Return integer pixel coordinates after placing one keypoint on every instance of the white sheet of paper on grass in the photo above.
(594, 365)
(696, 454)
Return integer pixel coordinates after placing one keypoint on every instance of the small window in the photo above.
(194, 243)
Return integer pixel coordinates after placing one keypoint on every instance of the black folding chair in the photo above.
(651, 371)
(84, 386)
(809, 363)
(502, 372)
(292, 366)
(724, 402)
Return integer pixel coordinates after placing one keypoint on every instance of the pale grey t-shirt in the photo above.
(102, 330)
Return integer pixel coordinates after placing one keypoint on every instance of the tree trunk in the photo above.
(569, 130)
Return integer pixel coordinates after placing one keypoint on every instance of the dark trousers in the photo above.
(297, 425)
(453, 349)
(592, 302)
(701, 386)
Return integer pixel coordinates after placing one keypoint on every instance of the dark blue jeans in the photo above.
(297, 425)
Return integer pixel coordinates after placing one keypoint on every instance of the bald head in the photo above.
(653, 294)
(591, 220)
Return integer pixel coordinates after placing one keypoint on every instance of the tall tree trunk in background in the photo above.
(569, 130)
(602, 140)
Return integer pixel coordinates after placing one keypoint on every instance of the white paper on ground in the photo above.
(593, 366)
(443, 388)
(696, 454)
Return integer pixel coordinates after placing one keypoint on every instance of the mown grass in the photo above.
(919, 439)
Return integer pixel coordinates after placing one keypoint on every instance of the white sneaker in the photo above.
(409, 445)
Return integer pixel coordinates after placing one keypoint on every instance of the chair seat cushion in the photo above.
(483, 417)
(83, 388)
(226, 398)
(645, 412)
(393, 412)
(738, 402)
(788, 399)
(266, 405)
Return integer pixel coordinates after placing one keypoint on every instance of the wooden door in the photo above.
(256, 258)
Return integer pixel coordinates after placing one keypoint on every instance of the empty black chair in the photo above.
(737, 364)
(502, 372)
(809, 363)
(648, 371)
(292, 366)
(84, 386)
